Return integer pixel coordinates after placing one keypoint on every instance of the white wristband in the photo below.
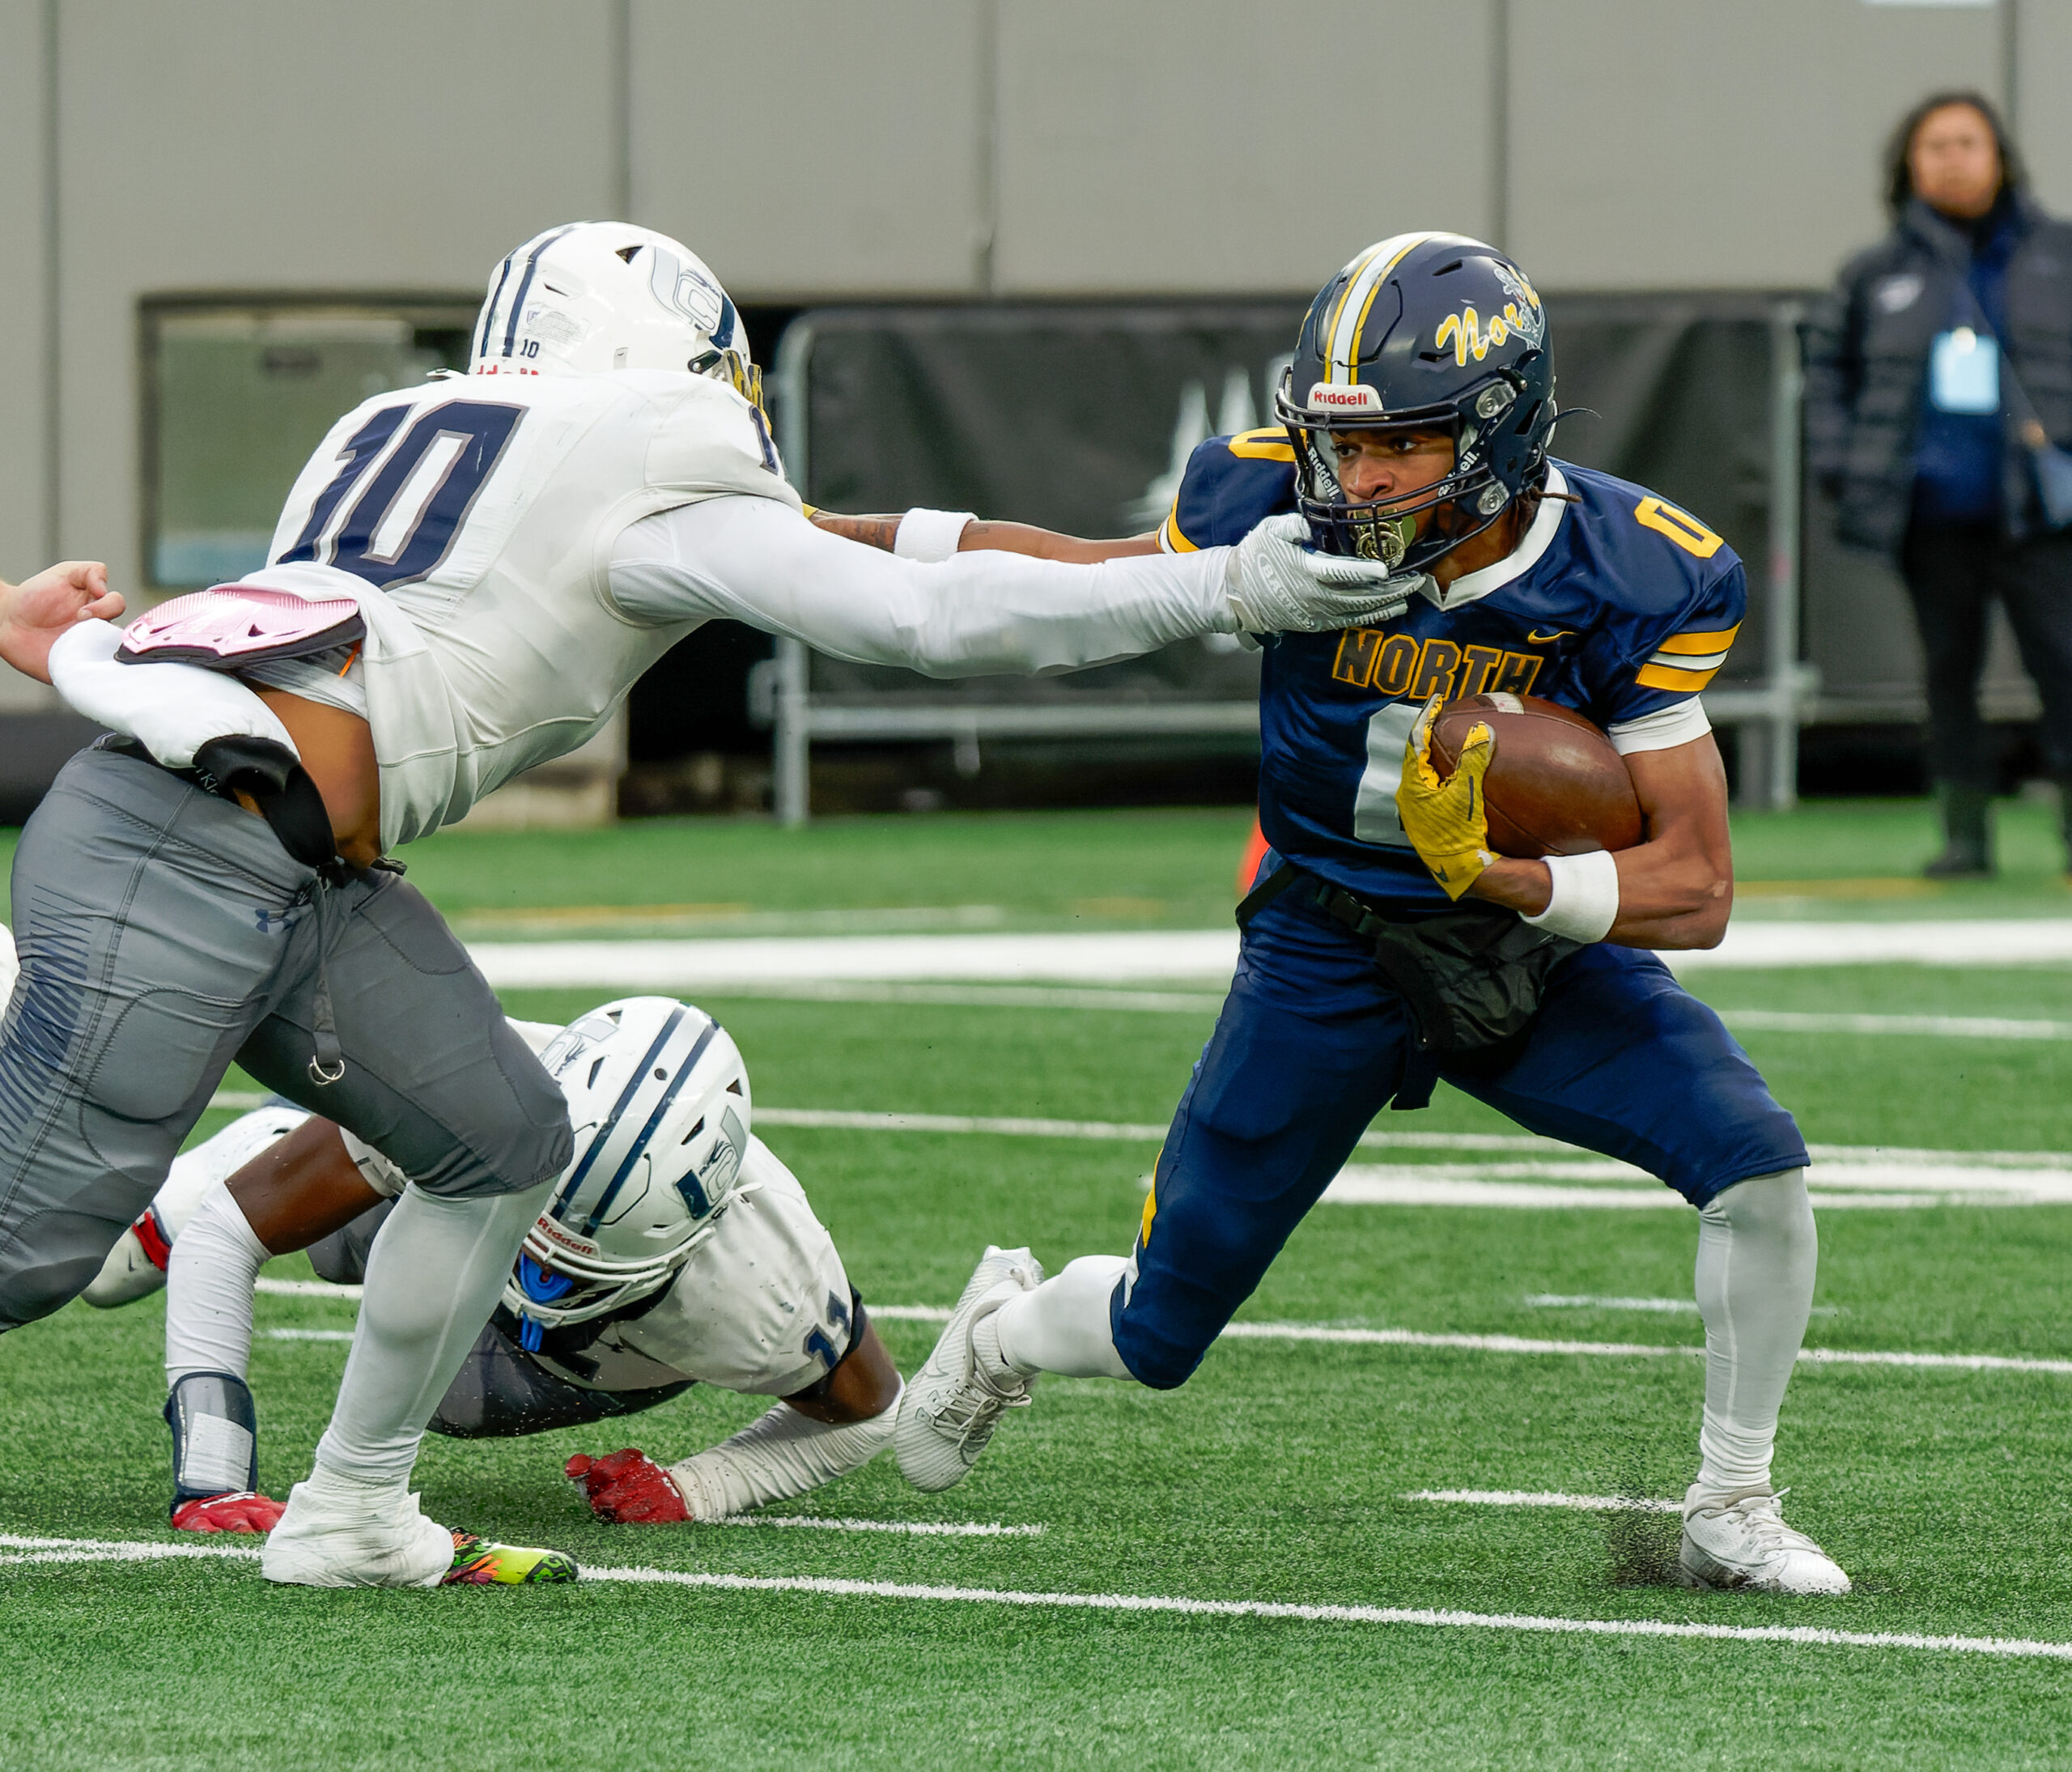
(930, 535)
(1585, 901)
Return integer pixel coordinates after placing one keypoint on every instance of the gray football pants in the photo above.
(162, 933)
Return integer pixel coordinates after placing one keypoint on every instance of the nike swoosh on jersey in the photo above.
(1543, 640)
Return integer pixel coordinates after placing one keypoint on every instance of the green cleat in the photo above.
(478, 1563)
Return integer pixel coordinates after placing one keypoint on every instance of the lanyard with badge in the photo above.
(1964, 376)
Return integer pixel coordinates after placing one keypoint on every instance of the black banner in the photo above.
(1080, 418)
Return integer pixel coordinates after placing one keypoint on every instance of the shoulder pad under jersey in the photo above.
(1231, 485)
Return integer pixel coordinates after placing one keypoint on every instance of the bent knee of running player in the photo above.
(1625, 1061)
(435, 1078)
(1307, 1049)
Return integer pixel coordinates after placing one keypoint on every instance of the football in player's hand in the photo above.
(1555, 786)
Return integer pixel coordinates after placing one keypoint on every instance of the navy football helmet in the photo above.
(1423, 332)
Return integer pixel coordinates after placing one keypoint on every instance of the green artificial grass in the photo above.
(1122, 869)
(1278, 1473)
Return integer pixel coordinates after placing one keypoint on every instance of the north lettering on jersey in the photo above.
(1615, 603)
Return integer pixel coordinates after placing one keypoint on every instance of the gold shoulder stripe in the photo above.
(1663, 677)
(1268, 443)
(1169, 534)
(1700, 644)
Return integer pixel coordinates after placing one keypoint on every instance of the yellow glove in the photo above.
(1446, 818)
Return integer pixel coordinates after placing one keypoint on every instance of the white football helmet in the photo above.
(659, 1099)
(591, 297)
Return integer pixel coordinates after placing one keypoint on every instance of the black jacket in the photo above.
(1866, 363)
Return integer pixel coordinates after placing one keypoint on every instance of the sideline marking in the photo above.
(83, 1550)
(1543, 1498)
(307, 1335)
(918, 1528)
(1197, 957)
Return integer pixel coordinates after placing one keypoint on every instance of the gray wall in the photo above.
(824, 148)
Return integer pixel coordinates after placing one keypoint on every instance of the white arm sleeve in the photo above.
(975, 614)
(1678, 723)
(173, 710)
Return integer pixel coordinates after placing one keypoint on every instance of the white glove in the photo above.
(1278, 585)
(172, 709)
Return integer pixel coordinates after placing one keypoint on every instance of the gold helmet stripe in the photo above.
(1364, 276)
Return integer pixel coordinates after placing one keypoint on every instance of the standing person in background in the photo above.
(1942, 360)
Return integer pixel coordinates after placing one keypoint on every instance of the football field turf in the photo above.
(1253, 1571)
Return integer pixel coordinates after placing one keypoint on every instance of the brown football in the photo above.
(1555, 786)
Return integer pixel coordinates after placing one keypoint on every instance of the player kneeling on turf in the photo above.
(677, 1249)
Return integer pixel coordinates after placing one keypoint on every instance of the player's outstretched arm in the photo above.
(882, 531)
(806, 1441)
(40, 609)
(1676, 887)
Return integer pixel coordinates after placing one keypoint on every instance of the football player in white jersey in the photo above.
(466, 581)
(678, 1250)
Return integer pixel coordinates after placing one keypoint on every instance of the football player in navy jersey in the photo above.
(1416, 419)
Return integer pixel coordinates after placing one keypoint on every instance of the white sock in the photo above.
(1062, 1326)
(209, 1278)
(1757, 1251)
(776, 1456)
(433, 1277)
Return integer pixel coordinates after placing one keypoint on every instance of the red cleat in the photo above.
(628, 1488)
(243, 1511)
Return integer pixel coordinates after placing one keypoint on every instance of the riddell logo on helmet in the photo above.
(554, 1234)
(1329, 396)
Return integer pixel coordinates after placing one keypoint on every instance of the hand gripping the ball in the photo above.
(1278, 585)
(1445, 818)
(627, 1488)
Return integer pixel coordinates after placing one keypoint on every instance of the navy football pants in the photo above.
(1312, 1043)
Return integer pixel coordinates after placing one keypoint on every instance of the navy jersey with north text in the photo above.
(1614, 603)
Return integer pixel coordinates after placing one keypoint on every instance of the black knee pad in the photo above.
(341, 1258)
(215, 1436)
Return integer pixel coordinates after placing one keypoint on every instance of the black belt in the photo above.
(1474, 975)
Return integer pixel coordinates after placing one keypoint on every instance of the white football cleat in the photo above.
(1743, 1544)
(130, 1271)
(952, 1404)
(340, 1533)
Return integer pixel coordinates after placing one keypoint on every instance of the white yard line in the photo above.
(842, 1119)
(75, 1550)
(305, 1289)
(916, 1528)
(1518, 1344)
(1541, 1497)
(1484, 1344)
(1556, 1301)
(1202, 957)
(1021, 996)
(1956, 1027)
(1868, 1166)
